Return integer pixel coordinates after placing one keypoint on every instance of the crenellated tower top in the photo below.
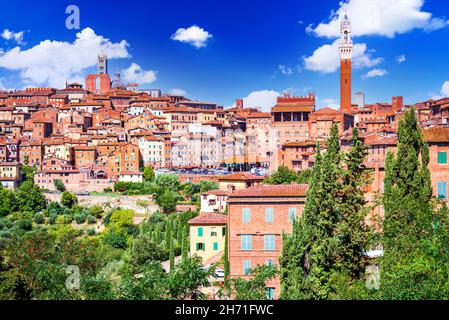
(346, 45)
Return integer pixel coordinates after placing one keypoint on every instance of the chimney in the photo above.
(398, 103)
(239, 104)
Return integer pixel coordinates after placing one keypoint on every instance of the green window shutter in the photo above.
(442, 157)
(215, 246)
(200, 232)
(197, 246)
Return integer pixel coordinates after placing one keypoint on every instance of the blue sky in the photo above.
(239, 49)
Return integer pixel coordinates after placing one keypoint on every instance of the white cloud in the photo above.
(379, 17)
(401, 59)
(287, 71)
(445, 89)
(265, 99)
(329, 103)
(135, 74)
(53, 62)
(375, 73)
(15, 36)
(193, 35)
(444, 93)
(326, 58)
(178, 92)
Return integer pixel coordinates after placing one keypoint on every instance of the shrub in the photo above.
(39, 218)
(25, 224)
(68, 199)
(80, 218)
(59, 185)
(107, 190)
(52, 218)
(96, 211)
(91, 232)
(91, 219)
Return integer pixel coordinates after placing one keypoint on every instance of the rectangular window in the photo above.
(215, 246)
(269, 242)
(223, 231)
(442, 190)
(269, 214)
(246, 266)
(200, 246)
(246, 215)
(270, 293)
(442, 157)
(213, 232)
(291, 214)
(200, 231)
(247, 242)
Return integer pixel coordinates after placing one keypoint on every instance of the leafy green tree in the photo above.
(168, 181)
(59, 185)
(28, 173)
(207, 185)
(251, 289)
(30, 197)
(283, 175)
(186, 278)
(148, 173)
(144, 250)
(8, 202)
(68, 199)
(167, 201)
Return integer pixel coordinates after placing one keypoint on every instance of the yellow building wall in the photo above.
(208, 240)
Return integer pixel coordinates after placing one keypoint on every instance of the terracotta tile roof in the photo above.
(327, 111)
(209, 218)
(295, 107)
(291, 190)
(436, 134)
(130, 172)
(305, 143)
(376, 140)
(240, 177)
(215, 193)
(259, 115)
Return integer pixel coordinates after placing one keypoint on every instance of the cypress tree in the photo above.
(353, 232)
(226, 256)
(330, 236)
(172, 254)
(168, 234)
(185, 243)
(415, 253)
(179, 234)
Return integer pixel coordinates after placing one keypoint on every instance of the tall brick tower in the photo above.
(345, 49)
(99, 83)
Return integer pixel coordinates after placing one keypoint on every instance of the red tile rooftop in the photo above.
(436, 134)
(209, 219)
(240, 177)
(305, 143)
(377, 141)
(259, 115)
(215, 193)
(291, 190)
(131, 173)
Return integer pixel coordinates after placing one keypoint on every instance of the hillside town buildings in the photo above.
(93, 135)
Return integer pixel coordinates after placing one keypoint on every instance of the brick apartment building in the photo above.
(258, 216)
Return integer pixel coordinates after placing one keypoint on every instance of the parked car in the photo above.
(219, 273)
